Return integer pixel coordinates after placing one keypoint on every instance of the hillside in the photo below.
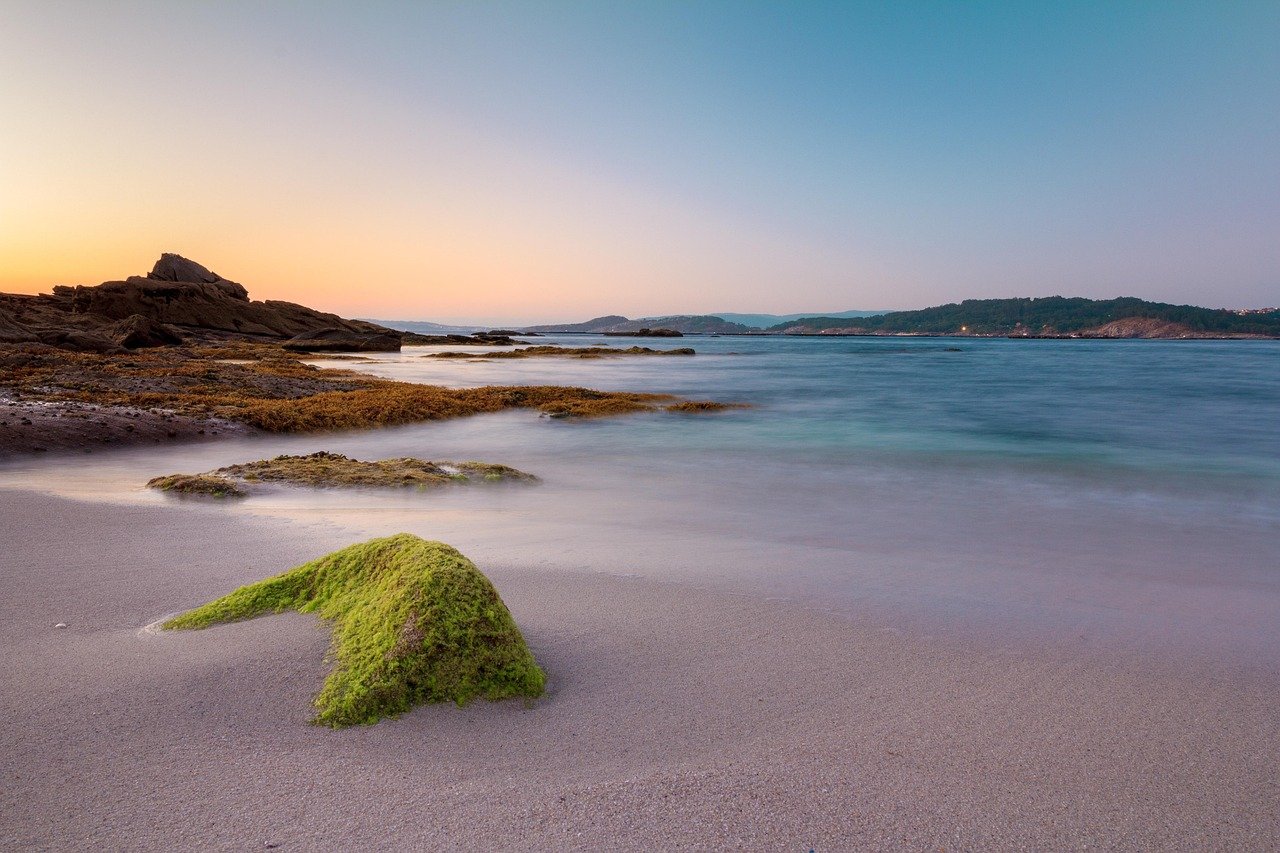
(701, 324)
(1126, 317)
(423, 327)
(764, 321)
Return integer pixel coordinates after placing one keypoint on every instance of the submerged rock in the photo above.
(701, 407)
(413, 622)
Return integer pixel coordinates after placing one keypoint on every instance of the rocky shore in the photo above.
(179, 301)
(183, 354)
(58, 400)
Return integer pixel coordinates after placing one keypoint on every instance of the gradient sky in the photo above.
(554, 161)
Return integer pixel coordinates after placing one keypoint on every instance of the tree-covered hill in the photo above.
(1053, 315)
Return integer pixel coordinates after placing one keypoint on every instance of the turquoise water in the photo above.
(1105, 491)
(1195, 421)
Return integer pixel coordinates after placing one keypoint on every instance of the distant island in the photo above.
(700, 324)
(1047, 317)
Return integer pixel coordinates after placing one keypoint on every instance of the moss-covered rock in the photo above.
(330, 470)
(197, 484)
(413, 622)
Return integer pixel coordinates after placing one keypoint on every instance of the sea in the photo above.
(1107, 494)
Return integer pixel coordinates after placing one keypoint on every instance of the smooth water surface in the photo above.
(1098, 490)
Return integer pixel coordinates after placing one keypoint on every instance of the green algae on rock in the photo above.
(413, 622)
(325, 470)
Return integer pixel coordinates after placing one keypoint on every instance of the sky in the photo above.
(540, 161)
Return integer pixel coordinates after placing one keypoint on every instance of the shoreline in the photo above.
(956, 335)
(52, 400)
(674, 716)
(31, 427)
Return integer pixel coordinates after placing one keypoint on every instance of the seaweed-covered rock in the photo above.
(330, 470)
(197, 484)
(700, 407)
(413, 622)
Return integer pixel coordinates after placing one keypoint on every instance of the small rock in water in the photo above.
(61, 625)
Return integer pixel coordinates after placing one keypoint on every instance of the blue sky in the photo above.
(534, 160)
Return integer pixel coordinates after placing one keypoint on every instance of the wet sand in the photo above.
(674, 717)
(36, 426)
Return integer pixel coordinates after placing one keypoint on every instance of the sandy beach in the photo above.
(653, 426)
(674, 716)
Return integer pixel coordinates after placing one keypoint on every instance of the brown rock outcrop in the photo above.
(176, 268)
(12, 331)
(139, 332)
(343, 340)
(178, 296)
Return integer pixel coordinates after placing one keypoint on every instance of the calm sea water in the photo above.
(1106, 491)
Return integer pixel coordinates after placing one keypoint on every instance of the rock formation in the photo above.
(343, 340)
(329, 470)
(178, 299)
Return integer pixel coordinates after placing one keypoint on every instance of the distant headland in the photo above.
(1047, 317)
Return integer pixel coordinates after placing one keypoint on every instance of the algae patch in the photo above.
(328, 470)
(700, 407)
(271, 390)
(413, 622)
